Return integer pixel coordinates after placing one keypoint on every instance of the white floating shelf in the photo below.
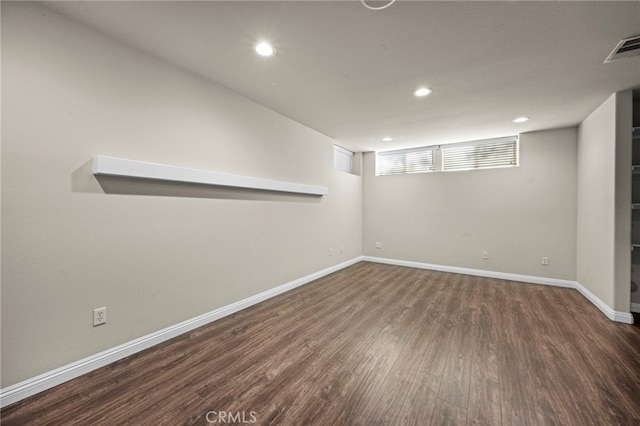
(109, 166)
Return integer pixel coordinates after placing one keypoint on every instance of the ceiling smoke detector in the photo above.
(627, 48)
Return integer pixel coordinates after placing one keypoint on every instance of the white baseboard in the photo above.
(618, 316)
(476, 272)
(624, 317)
(27, 388)
(635, 307)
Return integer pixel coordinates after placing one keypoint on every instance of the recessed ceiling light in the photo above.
(422, 91)
(387, 139)
(264, 49)
(520, 119)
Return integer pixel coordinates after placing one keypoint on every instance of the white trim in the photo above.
(109, 166)
(635, 307)
(624, 317)
(505, 139)
(343, 150)
(29, 387)
(477, 272)
(618, 316)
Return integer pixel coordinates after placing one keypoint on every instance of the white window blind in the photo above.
(492, 153)
(416, 160)
(342, 159)
(482, 154)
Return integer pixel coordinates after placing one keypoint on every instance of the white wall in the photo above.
(596, 198)
(604, 199)
(154, 254)
(517, 214)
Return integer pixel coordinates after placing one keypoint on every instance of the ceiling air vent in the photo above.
(627, 48)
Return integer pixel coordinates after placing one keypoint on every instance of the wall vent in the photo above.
(627, 48)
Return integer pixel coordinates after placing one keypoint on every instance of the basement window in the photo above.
(487, 154)
(415, 160)
(342, 159)
(482, 154)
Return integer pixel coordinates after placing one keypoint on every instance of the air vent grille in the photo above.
(627, 48)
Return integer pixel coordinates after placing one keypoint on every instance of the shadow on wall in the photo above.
(83, 180)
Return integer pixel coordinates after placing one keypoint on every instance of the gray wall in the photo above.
(622, 184)
(154, 254)
(517, 214)
(596, 198)
(157, 254)
(604, 198)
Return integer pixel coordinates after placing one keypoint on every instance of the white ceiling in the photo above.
(349, 72)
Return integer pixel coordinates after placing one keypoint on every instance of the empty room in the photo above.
(320, 212)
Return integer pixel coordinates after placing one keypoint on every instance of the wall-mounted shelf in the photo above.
(109, 166)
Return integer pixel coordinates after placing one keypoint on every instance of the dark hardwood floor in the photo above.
(374, 345)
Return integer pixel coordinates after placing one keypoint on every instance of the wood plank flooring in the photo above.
(373, 345)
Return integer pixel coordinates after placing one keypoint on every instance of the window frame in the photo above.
(438, 155)
(484, 143)
(345, 153)
(403, 152)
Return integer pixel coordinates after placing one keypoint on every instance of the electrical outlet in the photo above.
(330, 252)
(485, 255)
(545, 261)
(341, 249)
(378, 245)
(99, 316)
